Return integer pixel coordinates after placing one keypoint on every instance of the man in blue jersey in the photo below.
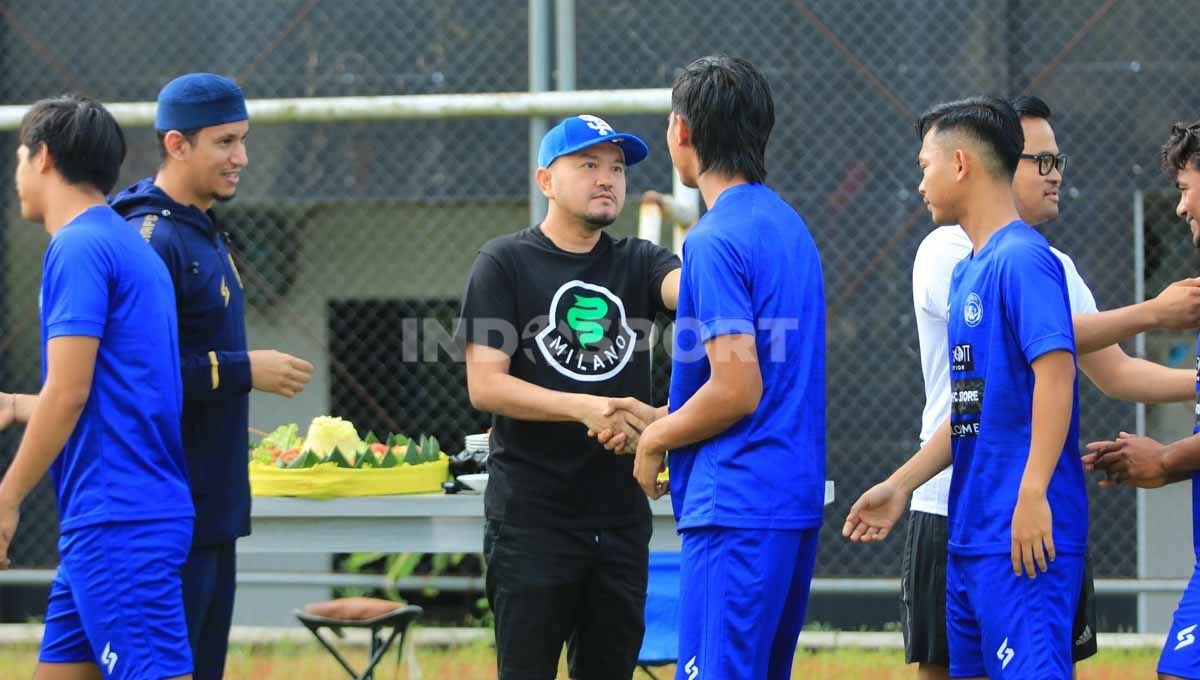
(202, 125)
(1036, 185)
(106, 422)
(1018, 506)
(1148, 464)
(746, 422)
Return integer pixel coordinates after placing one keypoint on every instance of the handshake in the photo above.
(623, 426)
(618, 423)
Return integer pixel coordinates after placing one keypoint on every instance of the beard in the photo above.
(224, 198)
(597, 221)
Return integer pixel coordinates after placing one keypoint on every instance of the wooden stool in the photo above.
(361, 612)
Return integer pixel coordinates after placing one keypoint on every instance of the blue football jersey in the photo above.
(1008, 306)
(124, 459)
(750, 266)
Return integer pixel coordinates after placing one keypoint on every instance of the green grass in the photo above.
(309, 662)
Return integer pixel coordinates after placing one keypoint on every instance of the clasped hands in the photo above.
(624, 426)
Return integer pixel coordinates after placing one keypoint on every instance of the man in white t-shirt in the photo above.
(1035, 186)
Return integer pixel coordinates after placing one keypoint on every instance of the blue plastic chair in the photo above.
(660, 645)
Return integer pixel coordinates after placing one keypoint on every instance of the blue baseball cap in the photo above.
(580, 132)
(199, 100)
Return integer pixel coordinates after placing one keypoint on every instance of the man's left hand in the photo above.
(650, 460)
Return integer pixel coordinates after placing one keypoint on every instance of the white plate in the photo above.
(476, 482)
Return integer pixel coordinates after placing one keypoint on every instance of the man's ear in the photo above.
(683, 131)
(543, 179)
(177, 145)
(963, 163)
(41, 160)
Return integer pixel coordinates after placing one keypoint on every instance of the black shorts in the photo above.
(582, 587)
(923, 596)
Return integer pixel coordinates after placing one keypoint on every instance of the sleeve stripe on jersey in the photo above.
(148, 224)
(216, 369)
(236, 273)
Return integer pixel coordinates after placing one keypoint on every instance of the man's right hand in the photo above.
(1178, 306)
(874, 514)
(279, 373)
(639, 412)
(10, 515)
(604, 421)
(1131, 460)
(1032, 533)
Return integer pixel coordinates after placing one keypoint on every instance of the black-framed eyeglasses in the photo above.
(1047, 161)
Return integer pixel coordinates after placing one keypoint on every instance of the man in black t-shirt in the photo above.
(556, 320)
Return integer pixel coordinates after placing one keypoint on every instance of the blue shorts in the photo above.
(742, 598)
(1181, 655)
(1001, 625)
(117, 600)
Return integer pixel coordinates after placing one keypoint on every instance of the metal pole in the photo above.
(408, 107)
(456, 584)
(539, 81)
(823, 586)
(1139, 344)
(687, 201)
(1139, 282)
(564, 43)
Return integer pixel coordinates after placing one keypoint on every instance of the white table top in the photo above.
(409, 505)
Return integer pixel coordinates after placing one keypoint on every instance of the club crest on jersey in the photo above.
(973, 310)
(587, 336)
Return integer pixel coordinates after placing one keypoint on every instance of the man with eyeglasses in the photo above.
(1047, 162)
(1036, 185)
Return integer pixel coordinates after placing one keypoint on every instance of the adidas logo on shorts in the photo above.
(1084, 637)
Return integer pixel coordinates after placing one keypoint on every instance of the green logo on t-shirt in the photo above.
(587, 336)
(582, 319)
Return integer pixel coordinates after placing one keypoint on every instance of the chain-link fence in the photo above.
(346, 230)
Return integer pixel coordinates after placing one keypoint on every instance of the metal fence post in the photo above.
(539, 81)
(564, 44)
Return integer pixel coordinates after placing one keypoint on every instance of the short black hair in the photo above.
(189, 135)
(1182, 148)
(728, 107)
(989, 120)
(82, 137)
(1030, 106)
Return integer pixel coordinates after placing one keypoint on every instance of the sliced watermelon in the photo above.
(336, 456)
(412, 456)
(303, 461)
